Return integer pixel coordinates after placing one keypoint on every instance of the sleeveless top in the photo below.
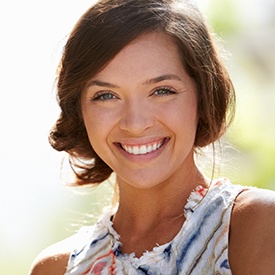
(200, 247)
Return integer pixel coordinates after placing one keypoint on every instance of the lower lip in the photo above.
(143, 157)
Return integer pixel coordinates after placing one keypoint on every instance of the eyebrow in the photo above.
(162, 78)
(101, 84)
(150, 81)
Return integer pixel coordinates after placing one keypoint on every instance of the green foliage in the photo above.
(253, 132)
(223, 16)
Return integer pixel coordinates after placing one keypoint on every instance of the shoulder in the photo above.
(252, 238)
(53, 259)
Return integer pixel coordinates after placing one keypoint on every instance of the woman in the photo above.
(142, 90)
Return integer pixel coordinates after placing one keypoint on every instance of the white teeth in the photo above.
(142, 150)
(135, 150)
(149, 149)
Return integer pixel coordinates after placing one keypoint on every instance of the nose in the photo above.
(136, 118)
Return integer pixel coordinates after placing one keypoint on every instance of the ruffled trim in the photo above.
(157, 257)
(129, 260)
(194, 200)
(106, 221)
(199, 193)
(156, 254)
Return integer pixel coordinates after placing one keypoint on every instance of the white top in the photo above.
(200, 247)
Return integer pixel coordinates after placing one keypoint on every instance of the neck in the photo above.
(145, 208)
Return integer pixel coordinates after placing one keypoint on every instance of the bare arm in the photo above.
(252, 233)
(55, 264)
(54, 259)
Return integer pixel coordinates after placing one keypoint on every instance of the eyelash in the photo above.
(165, 91)
(106, 96)
(102, 96)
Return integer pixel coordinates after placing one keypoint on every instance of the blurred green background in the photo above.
(37, 209)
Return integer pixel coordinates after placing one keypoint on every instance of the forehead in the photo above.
(150, 54)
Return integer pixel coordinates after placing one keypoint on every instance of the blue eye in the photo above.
(163, 91)
(104, 96)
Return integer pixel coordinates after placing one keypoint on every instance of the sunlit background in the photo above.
(36, 208)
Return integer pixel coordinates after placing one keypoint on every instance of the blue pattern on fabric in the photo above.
(225, 264)
(200, 247)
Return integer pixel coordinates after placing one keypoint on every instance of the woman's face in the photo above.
(140, 113)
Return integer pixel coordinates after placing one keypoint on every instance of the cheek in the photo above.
(183, 116)
(94, 130)
(98, 127)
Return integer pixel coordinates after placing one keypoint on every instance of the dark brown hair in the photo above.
(100, 34)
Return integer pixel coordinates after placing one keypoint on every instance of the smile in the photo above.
(143, 149)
